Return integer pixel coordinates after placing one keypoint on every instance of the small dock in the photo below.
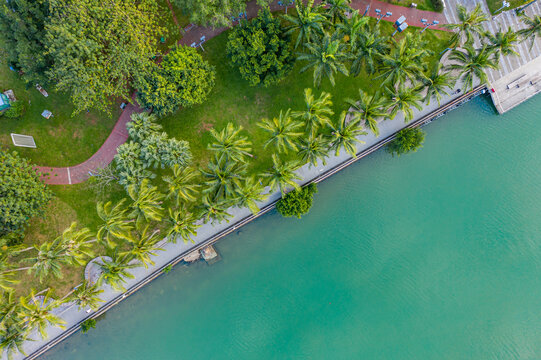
(210, 255)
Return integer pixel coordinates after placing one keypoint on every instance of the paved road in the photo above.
(105, 154)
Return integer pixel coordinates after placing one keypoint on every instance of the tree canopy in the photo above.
(99, 47)
(22, 194)
(409, 139)
(183, 78)
(260, 49)
(297, 202)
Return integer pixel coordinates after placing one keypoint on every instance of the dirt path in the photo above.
(105, 154)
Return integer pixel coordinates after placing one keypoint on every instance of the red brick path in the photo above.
(119, 135)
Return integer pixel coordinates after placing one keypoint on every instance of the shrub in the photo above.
(16, 110)
(183, 78)
(406, 140)
(297, 202)
(260, 50)
(88, 324)
(438, 5)
(22, 194)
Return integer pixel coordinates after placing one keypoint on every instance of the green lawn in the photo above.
(234, 100)
(63, 140)
(421, 4)
(494, 5)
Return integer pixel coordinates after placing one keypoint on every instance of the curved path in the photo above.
(105, 154)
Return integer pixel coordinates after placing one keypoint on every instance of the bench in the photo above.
(515, 83)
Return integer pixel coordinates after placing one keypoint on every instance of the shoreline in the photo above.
(156, 271)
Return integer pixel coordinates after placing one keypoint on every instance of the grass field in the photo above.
(494, 5)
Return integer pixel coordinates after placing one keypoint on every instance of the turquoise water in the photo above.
(433, 255)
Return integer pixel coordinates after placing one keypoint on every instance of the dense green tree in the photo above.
(308, 22)
(216, 13)
(368, 109)
(77, 244)
(350, 29)
(471, 63)
(143, 245)
(336, 10)
(326, 56)
(114, 272)
(142, 126)
(282, 174)
(115, 223)
(345, 134)
(99, 47)
(282, 132)
(22, 25)
(409, 139)
(182, 184)
(404, 99)
(214, 210)
(22, 194)
(230, 144)
(85, 296)
(147, 202)
(36, 313)
(436, 82)
(532, 30)
(313, 149)
(88, 324)
(222, 178)
(49, 258)
(316, 113)
(183, 78)
(260, 50)
(130, 169)
(297, 202)
(470, 24)
(503, 42)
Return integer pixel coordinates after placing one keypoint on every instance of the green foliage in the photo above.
(99, 47)
(88, 324)
(406, 140)
(260, 50)
(438, 5)
(211, 12)
(16, 110)
(22, 25)
(22, 194)
(183, 78)
(297, 202)
(167, 269)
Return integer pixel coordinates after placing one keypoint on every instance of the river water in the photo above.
(433, 255)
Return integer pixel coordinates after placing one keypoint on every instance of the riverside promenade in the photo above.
(519, 76)
(210, 233)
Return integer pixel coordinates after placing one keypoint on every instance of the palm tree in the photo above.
(368, 109)
(77, 244)
(308, 22)
(147, 202)
(282, 174)
(143, 246)
(366, 50)
(326, 56)
(7, 279)
(533, 28)
(115, 271)
(313, 149)
(436, 82)
(230, 144)
(336, 9)
(116, 225)
(49, 258)
(214, 210)
(36, 313)
(472, 63)
(85, 296)
(250, 192)
(404, 62)
(181, 185)
(345, 134)
(316, 113)
(470, 24)
(222, 178)
(403, 99)
(182, 224)
(503, 43)
(282, 132)
(12, 339)
(350, 29)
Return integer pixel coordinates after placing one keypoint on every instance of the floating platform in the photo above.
(210, 255)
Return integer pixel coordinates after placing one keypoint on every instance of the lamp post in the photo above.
(427, 24)
(519, 10)
(382, 15)
(505, 4)
(366, 11)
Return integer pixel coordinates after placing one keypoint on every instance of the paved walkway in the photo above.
(106, 153)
